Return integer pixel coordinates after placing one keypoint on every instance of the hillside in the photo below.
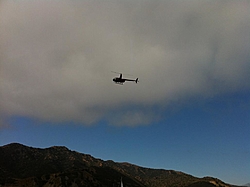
(58, 166)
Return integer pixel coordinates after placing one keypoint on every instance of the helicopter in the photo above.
(120, 80)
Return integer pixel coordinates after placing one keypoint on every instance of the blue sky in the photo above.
(203, 138)
(189, 111)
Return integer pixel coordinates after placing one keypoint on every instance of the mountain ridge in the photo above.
(59, 166)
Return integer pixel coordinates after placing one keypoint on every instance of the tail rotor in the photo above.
(136, 80)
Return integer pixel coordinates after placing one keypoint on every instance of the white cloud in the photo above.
(57, 57)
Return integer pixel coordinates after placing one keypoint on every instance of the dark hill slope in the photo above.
(58, 166)
(21, 165)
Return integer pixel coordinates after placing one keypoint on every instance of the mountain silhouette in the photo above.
(21, 165)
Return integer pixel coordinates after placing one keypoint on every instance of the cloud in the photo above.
(57, 57)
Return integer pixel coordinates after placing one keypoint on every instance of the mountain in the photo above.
(58, 166)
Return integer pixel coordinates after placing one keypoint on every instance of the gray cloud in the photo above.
(57, 57)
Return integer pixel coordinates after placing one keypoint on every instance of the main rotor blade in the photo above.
(116, 72)
(121, 73)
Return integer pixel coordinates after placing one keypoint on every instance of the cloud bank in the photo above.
(57, 57)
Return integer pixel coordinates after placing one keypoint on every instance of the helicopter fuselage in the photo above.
(119, 80)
